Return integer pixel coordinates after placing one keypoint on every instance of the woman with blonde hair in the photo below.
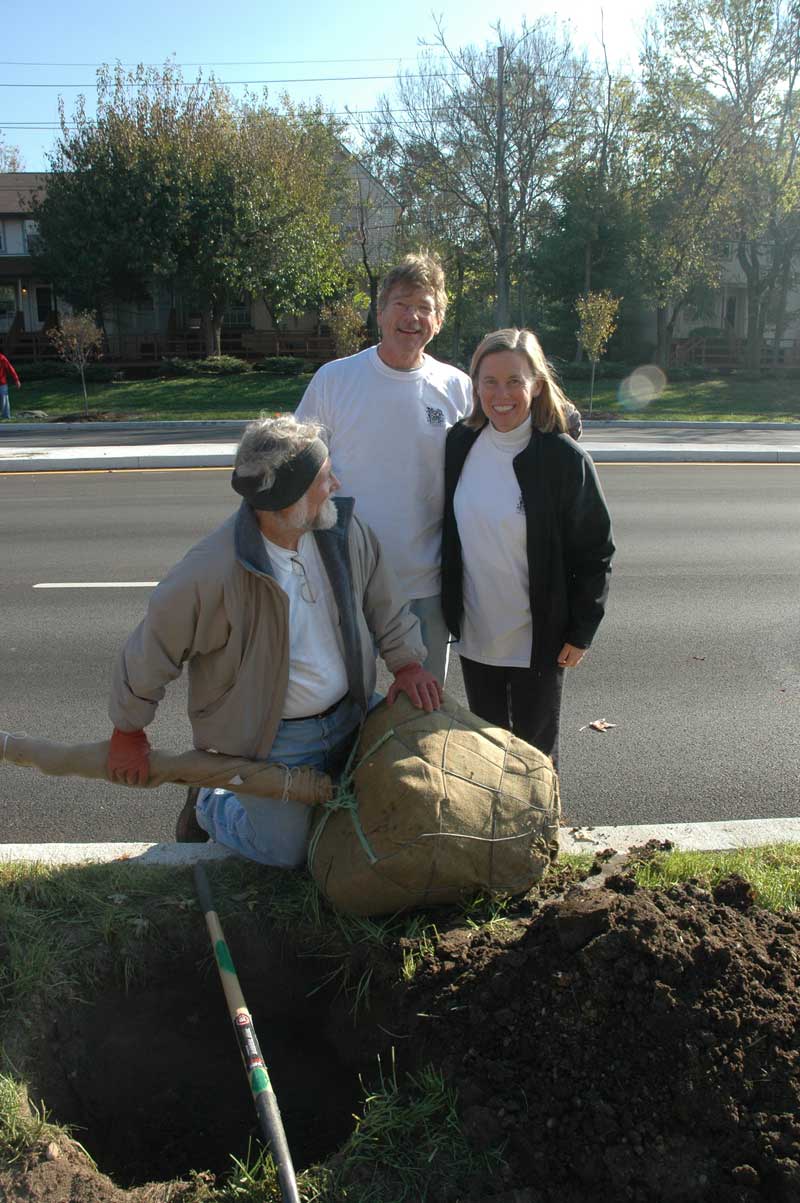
(527, 542)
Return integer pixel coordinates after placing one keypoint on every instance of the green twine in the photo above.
(345, 799)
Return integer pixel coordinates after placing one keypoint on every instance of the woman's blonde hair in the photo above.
(548, 409)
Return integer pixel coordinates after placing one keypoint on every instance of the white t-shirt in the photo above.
(317, 673)
(496, 626)
(386, 431)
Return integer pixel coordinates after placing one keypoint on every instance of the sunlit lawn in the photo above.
(180, 399)
(218, 397)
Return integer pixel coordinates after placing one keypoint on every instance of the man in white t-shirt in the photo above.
(277, 614)
(387, 411)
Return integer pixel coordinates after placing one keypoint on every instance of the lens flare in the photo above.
(643, 385)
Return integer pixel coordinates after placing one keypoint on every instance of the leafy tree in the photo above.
(78, 340)
(597, 314)
(182, 184)
(721, 78)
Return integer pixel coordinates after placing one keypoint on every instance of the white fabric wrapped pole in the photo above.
(261, 778)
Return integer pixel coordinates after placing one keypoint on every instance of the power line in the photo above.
(227, 83)
(269, 62)
(34, 126)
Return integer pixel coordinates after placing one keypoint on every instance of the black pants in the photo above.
(526, 701)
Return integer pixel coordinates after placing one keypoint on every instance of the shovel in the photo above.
(266, 1104)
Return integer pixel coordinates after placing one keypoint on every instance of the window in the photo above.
(8, 305)
(30, 236)
(2, 239)
(237, 313)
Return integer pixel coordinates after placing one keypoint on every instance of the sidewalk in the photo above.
(688, 837)
(105, 446)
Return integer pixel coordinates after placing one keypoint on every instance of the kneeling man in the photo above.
(277, 613)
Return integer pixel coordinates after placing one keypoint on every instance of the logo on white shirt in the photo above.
(435, 416)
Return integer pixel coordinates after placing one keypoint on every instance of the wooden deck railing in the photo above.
(152, 348)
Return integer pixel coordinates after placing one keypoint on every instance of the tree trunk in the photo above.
(662, 353)
(780, 316)
(591, 388)
(503, 304)
(665, 326)
(750, 262)
(458, 305)
(372, 313)
(212, 328)
(82, 370)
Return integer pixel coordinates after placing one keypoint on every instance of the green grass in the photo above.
(724, 398)
(183, 398)
(215, 397)
(773, 871)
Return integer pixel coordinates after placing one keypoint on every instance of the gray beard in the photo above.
(326, 518)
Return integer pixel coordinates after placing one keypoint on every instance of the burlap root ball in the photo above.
(439, 806)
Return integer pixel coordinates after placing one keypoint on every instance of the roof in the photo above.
(16, 188)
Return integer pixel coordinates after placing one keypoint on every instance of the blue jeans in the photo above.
(435, 634)
(5, 407)
(268, 830)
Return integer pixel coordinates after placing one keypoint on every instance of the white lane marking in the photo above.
(96, 585)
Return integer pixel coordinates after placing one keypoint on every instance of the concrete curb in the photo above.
(220, 455)
(688, 837)
(237, 423)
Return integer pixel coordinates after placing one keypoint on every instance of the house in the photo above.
(163, 323)
(27, 303)
(717, 336)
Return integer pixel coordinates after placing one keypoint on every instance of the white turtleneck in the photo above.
(492, 526)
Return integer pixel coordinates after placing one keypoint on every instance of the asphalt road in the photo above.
(697, 663)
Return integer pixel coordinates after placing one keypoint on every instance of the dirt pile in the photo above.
(621, 1045)
(628, 1045)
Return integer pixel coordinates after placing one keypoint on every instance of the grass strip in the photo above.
(197, 398)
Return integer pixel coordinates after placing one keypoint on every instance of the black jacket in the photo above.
(569, 540)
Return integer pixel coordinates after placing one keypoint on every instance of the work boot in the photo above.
(187, 828)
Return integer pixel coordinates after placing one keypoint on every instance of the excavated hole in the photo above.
(152, 1081)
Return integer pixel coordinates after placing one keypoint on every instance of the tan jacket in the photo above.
(222, 610)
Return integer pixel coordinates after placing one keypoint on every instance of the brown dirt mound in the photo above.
(624, 1045)
(627, 1045)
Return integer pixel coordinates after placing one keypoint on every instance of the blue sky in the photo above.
(59, 46)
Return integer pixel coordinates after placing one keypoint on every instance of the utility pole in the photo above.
(502, 314)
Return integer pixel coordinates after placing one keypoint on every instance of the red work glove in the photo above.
(128, 757)
(420, 687)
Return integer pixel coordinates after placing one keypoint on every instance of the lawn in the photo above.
(177, 399)
(216, 397)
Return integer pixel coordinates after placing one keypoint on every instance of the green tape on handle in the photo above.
(259, 1081)
(224, 958)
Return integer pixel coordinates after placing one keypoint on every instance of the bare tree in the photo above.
(10, 159)
(483, 129)
(78, 340)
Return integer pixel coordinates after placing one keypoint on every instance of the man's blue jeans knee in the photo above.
(269, 830)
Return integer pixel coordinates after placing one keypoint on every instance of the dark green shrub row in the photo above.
(214, 365)
(283, 365)
(50, 369)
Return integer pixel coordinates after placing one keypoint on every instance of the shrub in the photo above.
(222, 365)
(608, 369)
(42, 369)
(707, 332)
(283, 365)
(691, 371)
(214, 365)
